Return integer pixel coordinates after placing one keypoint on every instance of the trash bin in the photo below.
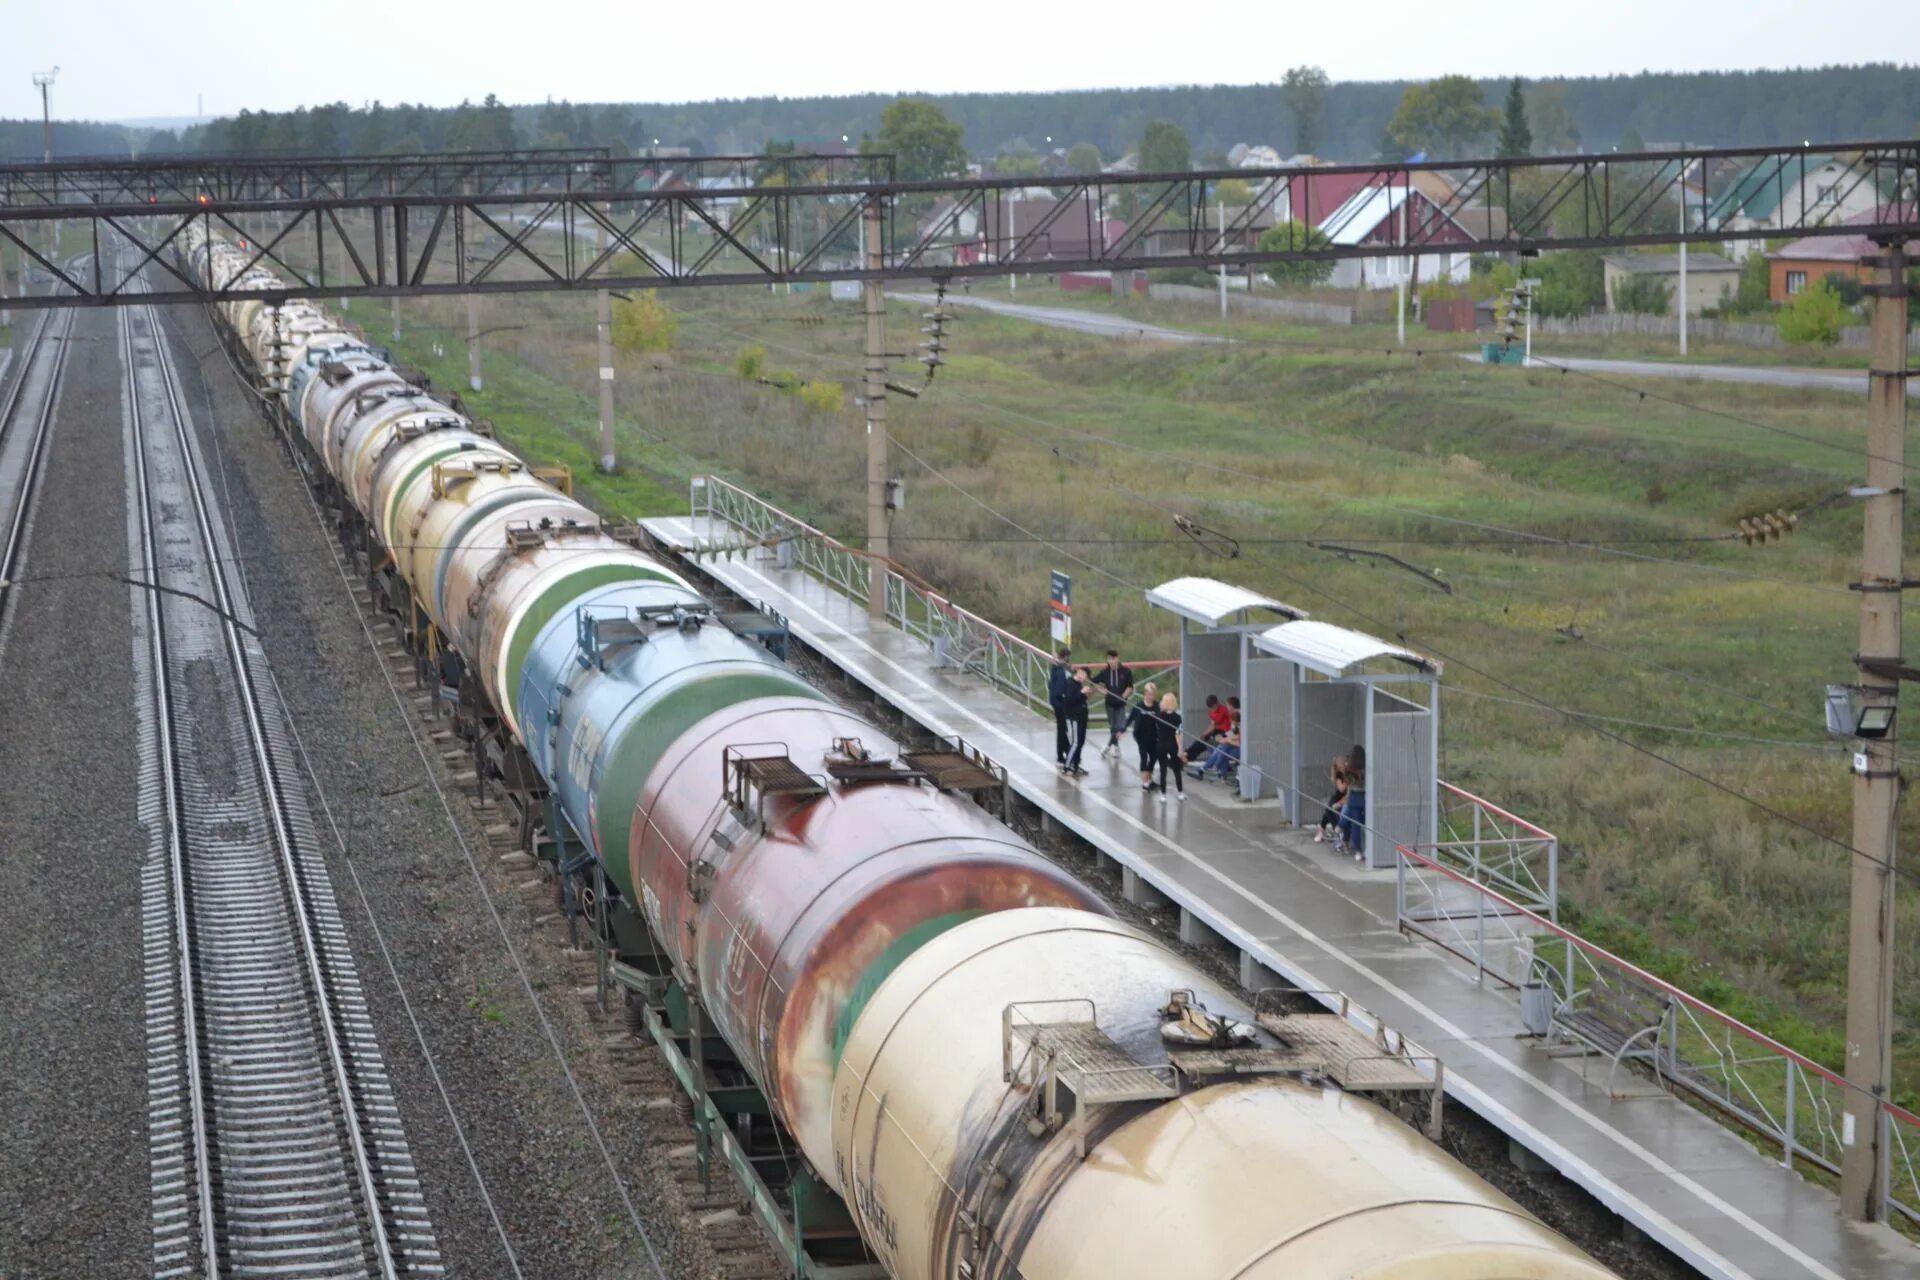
(1536, 1008)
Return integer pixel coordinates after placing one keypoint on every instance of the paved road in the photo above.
(1068, 318)
(1834, 380)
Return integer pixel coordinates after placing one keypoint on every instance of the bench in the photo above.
(1621, 1018)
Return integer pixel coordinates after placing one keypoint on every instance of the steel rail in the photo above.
(28, 476)
(274, 1223)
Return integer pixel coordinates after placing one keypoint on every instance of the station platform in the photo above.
(1238, 874)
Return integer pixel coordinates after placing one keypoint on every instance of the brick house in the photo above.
(1802, 264)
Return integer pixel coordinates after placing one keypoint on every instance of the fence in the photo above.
(1479, 908)
(960, 640)
(1239, 300)
(1699, 329)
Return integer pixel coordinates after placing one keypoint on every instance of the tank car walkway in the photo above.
(1237, 873)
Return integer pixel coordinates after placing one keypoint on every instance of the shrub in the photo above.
(750, 362)
(1296, 235)
(1815, 318)
(823, 397)
(1848, 287)
(1572, 283)
(1643, 295)
(644, 323)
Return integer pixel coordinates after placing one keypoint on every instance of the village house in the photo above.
(1794, 268)
(1711, 279)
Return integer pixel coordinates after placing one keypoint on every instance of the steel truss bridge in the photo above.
(532, 221)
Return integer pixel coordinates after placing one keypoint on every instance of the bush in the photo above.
(750, 362)
(1847, 287)
(1199, 277)
(1572, 283)
(1643, 295)
(644, 323)
(823, 397)
(1296, 235)
(1814, 319)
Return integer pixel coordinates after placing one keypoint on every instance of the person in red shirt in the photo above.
(1220, 716)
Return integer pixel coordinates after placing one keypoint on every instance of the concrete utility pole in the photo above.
(1220, 221)
(879, 518)
(473, 341)
(44, 79)
(603, 332)
(1683, 289)
(1876, 783)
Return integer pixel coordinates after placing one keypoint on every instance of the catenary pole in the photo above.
(879, 519)
(603, 335)
(1876, 782)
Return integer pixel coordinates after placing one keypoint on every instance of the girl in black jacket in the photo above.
(1145, 736)
(1168, 753)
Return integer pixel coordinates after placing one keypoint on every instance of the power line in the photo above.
(1530, 698)
(1522, 535)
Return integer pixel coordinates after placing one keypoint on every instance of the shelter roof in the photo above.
(1334, 651)
(1212, 603)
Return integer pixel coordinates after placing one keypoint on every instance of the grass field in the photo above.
(1711, 654)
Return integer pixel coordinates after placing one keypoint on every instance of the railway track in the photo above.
(26, 420)
(276, 1143)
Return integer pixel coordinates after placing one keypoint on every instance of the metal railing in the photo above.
(1483, 846)
(959, 639)
(1691, 1047)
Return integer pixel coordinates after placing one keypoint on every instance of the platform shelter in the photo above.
(1345, 689)
(1217, 620)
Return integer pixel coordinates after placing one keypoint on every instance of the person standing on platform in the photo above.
(1058, 679)
(1169, 755)
(1117, 680)
(1073, 705)
(1145, 730)
(1353, 814)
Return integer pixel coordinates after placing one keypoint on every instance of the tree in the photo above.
(1643, 295)
(1083, 158)
(1296, 274)
(1164, 148)
(1444, 119)
(644, 323)
(1814, 318)
(1554, 132)
(1848, 287)
(1755, 292)
(1017, 161)
(1632, 141)
(924, 143)
(1572, 283)
(1516, 139)
(1305, 91)
(1233, 193)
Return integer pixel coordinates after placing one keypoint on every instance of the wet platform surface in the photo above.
(1241, 874)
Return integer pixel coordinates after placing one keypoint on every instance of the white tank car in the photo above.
(1271, 1179)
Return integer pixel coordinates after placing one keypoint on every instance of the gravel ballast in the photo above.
(74, 1192)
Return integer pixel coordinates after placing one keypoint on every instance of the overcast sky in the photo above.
(136, 58)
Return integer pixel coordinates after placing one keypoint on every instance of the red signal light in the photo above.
(205, 200)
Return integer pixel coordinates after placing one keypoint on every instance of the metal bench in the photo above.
(1621, 1018)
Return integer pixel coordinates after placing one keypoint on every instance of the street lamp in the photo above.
(44, 79)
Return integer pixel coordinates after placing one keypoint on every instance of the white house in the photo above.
(1395, 216)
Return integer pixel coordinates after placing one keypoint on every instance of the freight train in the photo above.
(965, 1058)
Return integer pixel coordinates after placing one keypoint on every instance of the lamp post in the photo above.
(44, 79)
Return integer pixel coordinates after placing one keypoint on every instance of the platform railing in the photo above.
(960, 639)
(1751, 1079)
(1483, 845)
